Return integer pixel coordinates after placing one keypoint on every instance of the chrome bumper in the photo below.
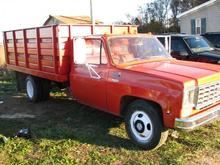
(193, 122)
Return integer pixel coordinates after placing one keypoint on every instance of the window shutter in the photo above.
(193, 26)
(203, 25)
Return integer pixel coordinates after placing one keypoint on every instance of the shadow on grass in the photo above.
(61, 118)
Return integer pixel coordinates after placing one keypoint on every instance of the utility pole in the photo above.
(91, 13)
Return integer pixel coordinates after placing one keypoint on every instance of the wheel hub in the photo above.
(139, 126)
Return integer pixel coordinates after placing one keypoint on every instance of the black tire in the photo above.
(45, 88)
(146, 135)
(34, 83)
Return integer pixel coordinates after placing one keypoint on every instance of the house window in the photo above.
(198, 26)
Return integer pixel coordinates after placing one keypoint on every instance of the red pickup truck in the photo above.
(114, 69)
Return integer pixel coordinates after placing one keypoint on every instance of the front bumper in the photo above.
(193, 122)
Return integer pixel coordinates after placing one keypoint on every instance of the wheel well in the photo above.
(126, 100)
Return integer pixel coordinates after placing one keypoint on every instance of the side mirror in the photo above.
(79, 54)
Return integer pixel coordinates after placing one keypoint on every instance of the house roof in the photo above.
(204, 5)
(72, 19)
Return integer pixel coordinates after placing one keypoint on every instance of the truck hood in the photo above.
(178, 70)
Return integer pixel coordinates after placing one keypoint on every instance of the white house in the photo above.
(201, 19)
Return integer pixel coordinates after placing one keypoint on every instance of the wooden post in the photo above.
(54, 42)
(25, 48)
(129, 29)
(38, 48)
(15, 48)
(6, 48)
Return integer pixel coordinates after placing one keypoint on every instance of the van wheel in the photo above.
(144, 125)
(33, 89)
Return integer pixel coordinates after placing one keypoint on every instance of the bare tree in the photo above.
(154, 16)
(161, 8)
(156, 11)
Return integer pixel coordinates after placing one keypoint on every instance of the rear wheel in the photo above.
(144, 125)
(33, 89)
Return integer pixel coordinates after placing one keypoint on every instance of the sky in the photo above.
(16, 14)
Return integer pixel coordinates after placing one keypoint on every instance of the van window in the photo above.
(178, 45)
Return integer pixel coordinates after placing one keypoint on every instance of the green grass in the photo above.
(7, 87)
(82, 135)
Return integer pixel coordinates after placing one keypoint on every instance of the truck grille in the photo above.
(208, 94)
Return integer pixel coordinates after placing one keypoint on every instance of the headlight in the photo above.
(189, 100)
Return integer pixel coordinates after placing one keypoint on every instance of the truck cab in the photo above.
(99, 66)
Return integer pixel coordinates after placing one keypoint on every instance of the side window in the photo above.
(178, 45)
(95, 53)
(162, 40)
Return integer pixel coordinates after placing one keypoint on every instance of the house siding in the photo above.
(212, 15)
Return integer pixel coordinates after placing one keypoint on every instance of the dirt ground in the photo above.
(15, 106)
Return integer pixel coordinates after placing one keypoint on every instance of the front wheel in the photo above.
(144, 125)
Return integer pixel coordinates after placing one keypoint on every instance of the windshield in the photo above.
(135, 48)
(198, 44)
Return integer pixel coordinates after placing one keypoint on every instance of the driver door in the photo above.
(88, 81)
